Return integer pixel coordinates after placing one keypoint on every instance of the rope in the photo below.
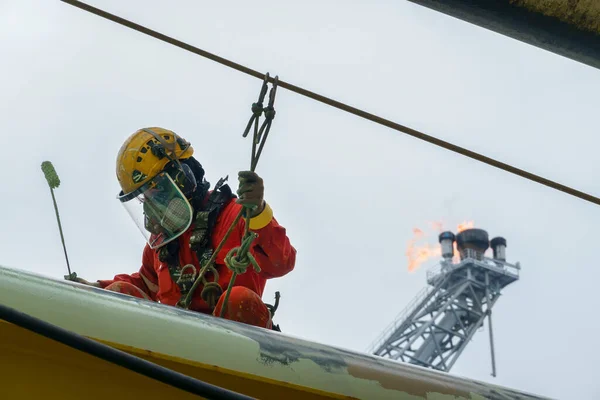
(344, 107)
(238, 259)
(185, 302)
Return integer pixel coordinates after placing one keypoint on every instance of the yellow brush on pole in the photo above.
(54, 182)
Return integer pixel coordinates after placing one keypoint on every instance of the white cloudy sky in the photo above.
(74, 86)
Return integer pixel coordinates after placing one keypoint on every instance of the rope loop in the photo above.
(257, 109)
(211, 293)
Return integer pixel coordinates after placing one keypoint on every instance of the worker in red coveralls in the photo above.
(164, 191)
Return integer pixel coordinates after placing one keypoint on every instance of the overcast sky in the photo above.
(349, 192)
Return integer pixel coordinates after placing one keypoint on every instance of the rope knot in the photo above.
(238, 259)
(235, 263)
(269, 113)
(257, 109)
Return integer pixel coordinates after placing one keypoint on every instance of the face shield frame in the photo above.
(159, 209)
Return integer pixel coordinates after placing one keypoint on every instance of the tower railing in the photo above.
(400, 318)
(472, 256)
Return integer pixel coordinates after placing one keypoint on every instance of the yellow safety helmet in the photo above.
(145, 153)
(154, 183)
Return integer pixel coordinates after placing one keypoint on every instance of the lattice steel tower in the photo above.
(437, 325)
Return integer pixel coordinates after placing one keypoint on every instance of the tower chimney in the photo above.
(447, 243)
(472, 243)
(498, 245)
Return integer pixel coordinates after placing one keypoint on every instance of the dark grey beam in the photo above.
(564, 27)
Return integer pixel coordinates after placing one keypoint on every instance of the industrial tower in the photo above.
(434, 329)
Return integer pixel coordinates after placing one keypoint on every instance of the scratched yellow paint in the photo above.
(34, 367)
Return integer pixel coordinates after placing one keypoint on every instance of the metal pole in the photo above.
(62, 238)
(489, 313)
(54, 182)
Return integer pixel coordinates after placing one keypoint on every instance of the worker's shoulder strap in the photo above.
(220, 196)
(205, 219)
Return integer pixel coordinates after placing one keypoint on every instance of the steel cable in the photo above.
(361, 113)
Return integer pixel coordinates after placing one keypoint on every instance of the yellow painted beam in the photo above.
(33, 367)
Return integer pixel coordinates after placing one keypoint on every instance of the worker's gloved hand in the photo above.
(251, 191)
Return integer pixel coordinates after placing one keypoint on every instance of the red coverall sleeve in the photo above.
(145, 279)
(272, 249)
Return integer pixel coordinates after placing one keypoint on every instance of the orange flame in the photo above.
(465, 225)
(438, 226)
(418, 254)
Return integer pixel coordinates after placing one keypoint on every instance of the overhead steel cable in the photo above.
(361, 113)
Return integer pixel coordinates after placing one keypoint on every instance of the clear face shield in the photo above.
(159, 209)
